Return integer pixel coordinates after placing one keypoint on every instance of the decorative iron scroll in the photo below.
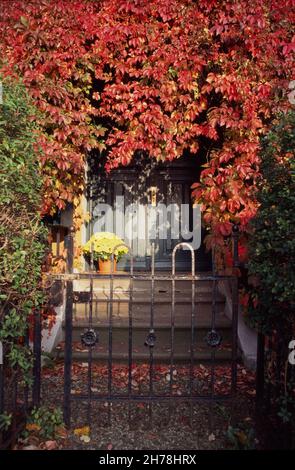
(89, 338)
(213, 338)
(150, 339)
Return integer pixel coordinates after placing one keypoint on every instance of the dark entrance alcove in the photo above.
(146, 182)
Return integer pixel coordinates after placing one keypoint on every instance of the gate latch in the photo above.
(150, 339)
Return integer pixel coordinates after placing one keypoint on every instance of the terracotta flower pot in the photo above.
(105, 267)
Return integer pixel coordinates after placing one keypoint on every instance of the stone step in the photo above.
(200, 357)
(122, 283)
(141, 312)
(141, 315)
(181, 323)
(144, 296)
(162, 348)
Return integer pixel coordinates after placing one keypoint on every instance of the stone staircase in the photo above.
(141, 315)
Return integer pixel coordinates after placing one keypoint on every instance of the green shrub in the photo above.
(22, 235)
(272, 243)
(45, 421)
(272, 274)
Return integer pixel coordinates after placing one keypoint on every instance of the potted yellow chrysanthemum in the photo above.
(102, 245)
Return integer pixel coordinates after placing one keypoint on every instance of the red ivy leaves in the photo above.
(171, 72)
(44, 42)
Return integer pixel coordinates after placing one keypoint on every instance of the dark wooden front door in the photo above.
(144, 185)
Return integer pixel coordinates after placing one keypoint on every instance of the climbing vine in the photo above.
(154, 76)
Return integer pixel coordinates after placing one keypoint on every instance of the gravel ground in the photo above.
(138, 426)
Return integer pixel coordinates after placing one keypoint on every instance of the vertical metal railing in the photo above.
(110, 357)
(110, 339)
(68, 329)
(130, 329)
(16, 397)
(177, 247)
(235, 307)
(260, 371)
(2, 356)
(90, 351)
(36, 392)
(2, 385)
(152, 337)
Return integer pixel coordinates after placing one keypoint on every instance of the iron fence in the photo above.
(17, 397)
(275, 388)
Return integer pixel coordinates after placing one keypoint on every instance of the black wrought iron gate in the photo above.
(104, 388)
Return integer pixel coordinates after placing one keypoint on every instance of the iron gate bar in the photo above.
(212, 375)
(18, 398)
(69, 242)
(26, 391)
(182, 245)
(147, 398)
(130, 324)
(235, 308)
(193, 314)
(260, 371)
(14, 402)
(140, 277)
(151, 347)
(68, 352)
(110, 360)
(92, 257)
(110, 357)
(36, 392)
(90, 354)
(214, 292)
(172, 316)
(2, 354)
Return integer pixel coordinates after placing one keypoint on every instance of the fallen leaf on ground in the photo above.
(50, 445)
(62, 432)
(32, 440)
(84, 431)
(242, 437)
(32, 427)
